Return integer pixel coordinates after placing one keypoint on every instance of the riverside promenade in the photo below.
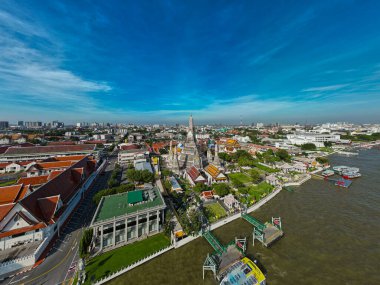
(189, 239)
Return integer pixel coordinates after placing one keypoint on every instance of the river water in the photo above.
(331, 236)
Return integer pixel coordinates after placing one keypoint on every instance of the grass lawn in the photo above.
(214, 212)
(240, 177)
(259, 191)
(7, 183)
(114, 260)
(265, 168)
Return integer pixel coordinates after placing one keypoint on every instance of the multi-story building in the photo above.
(33, 125)
(300, 138)
(30, 217)
(129, 153)
(126, 217)
(44, 152)
(4, 125)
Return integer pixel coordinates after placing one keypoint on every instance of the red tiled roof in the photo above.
(11, 194)
(207, 194)
(128, 147)
(50, 149)
(194, 173)
(62, 143)
(48, 205)
(22, 230)
(54, 174)
(66, 158)
(5, 209)
(4, 148)
(53, 164)
(65, 185)
(4, 164)
(35, 180)
(96, 142)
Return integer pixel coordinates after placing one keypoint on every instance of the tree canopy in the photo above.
(140, 176)
(200, 187)
(255, 176)
(85, 243)
(282, 154)
(308, 146)
(221, 189)
(111, 191)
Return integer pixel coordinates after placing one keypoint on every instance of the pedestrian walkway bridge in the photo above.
(214, 242)
(256, 223)
(266, 233)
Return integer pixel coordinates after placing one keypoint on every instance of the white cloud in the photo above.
(325, 88)
(28, 73)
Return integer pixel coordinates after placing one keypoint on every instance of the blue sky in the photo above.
(159, 61)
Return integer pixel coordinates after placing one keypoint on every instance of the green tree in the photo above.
(328, 144)
(224, 156)
(200, 187)
(221, 189)
(308, 146)
(282, 154)
(85, 243)
(322, 160)
(255, 176)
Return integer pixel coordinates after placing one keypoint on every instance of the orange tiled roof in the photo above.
(49, 149)
(48, 205)
(34, 180)
(207, 194)
(22, 230)
(65, 185)
(66, 158)
(212, 170)
(11, 194)
(54, 174)
(54, 164)
(5, 209)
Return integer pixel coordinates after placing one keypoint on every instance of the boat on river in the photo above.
(327, 173)
(342, 168)
(243, 272)
(351, 175)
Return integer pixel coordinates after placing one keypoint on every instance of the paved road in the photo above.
(60, 265)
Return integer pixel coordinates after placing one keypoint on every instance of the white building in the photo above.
(128, 156)
(301, 138)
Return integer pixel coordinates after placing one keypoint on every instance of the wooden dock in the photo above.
(266, 233)
(271, 234)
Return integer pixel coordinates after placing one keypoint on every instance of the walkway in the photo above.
(214, 242)
(256, 223)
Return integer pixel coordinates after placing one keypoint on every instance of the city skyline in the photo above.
(223, 62)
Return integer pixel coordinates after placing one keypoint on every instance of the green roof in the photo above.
(118, 204)
(135, 197)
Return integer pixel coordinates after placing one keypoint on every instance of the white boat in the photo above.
(327, 173)
(342, 168)
(351, 175)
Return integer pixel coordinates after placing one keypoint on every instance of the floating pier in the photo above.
(266, 233)
(223, 256)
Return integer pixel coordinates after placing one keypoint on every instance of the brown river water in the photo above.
(331, 236)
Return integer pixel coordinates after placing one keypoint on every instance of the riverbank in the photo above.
(322, 245)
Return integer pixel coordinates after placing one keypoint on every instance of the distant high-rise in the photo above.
(20, 123)
(33, 124)
(4, 125)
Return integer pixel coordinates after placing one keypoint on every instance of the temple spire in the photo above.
(191, 124)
